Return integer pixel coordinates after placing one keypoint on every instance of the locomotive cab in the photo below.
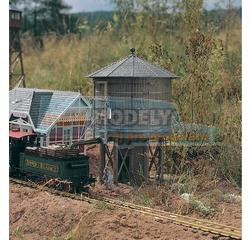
(18, 141)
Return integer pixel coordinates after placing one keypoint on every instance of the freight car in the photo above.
(68, 168)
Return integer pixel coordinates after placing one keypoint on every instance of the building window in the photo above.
(52, 137)
(38, 141)
(45, 141)
(17, 16)
(100, 89)
(59, 135)
(67, 136)
(81, 132)
(13, 16)
(75, 133)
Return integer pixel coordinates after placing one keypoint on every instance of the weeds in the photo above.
(194, 204)
(103, 205)
(201, 207)
(146, 199)
(18, 234)
(231, 198)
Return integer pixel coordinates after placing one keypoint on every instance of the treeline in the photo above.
(41, 17)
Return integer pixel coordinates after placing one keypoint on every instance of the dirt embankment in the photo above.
(40, 215)
(37, 215)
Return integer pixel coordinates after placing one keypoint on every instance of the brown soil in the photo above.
(39, 215)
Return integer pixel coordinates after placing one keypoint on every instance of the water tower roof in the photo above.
(132, 66)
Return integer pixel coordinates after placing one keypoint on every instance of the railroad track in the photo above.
(199, 224)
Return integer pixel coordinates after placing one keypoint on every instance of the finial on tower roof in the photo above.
(132, 50)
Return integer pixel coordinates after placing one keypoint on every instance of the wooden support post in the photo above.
(158, 164)
(102, 160)
(146, 162)
(161, 160)
(170, 158)
(151, 156)
(94, 110)
(115, 163)
(154, 157)
(109, 155)
(123, 161)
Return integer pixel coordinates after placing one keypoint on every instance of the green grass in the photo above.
(17, 233)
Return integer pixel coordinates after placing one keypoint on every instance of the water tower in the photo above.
(130, 84)
(16, 70)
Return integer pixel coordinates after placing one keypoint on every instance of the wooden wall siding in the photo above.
(147, 88)
(133, 88)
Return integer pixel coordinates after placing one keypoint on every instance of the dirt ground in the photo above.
(37, 215)
(40, 215)
(226, 213)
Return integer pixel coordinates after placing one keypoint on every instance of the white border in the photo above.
(4, 126)
(4, 183)
(245, 119)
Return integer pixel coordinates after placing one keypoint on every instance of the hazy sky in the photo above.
(95, 5)
(90, 5)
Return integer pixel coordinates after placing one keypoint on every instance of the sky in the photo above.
(106, 5)
(90, 5)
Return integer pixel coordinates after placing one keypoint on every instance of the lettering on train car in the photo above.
(41, 165)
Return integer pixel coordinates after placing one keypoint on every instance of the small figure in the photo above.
(108, 179)
(105, 175)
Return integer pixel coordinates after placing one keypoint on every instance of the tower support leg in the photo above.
(115, 163)
(102, 160)
(161, 161)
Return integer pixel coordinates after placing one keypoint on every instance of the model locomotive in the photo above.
(66, 166)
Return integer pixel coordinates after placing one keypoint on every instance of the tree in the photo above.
(44, 16)
(52, 14)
